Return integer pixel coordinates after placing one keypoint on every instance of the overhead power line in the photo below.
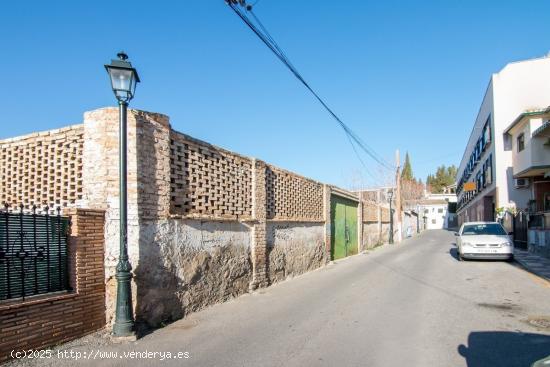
(263, 34)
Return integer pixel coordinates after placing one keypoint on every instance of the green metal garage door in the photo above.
(343, 214)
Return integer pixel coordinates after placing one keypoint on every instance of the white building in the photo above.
(487, 160)
(435, 211)
(529, 137)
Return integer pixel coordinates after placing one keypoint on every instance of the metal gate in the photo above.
(343, 214)
(520, 230)
(33, 254)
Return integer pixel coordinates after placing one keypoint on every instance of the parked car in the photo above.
(484, 240)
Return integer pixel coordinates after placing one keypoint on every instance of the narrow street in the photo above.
(410, 304)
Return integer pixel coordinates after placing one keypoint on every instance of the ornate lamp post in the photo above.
(390, 199)
(123, 81)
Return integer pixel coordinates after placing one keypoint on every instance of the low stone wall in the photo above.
(204, 224)
(371, 235)
(294, 248)
(375, 234)
(186, 265)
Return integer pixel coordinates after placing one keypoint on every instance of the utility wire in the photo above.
(270, 42)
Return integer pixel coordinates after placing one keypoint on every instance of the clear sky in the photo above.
(406, 75)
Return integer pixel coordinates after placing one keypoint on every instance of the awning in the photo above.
(543, 131)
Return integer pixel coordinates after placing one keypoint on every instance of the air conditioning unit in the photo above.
(521, 183)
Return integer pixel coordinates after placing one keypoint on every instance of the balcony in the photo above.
(530, 138)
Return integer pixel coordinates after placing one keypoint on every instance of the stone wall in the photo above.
(372, 235)
(185, 265)
(148, 182)
(376, 218)
(294, 248)
(204, 224)
(198, 216)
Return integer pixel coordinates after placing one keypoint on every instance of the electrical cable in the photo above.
(270, 42)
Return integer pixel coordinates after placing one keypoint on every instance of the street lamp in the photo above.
(418, 219)
(390, 198)
(123, 81)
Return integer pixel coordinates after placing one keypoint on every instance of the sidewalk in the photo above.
(533, 263)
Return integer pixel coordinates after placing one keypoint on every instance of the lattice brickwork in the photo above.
(293, 197)
(206, 181)
(42, 168)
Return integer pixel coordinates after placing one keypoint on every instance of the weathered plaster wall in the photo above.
(375, 234)
(186, 265)
(294, 248)
(148, 181)
(371, 235)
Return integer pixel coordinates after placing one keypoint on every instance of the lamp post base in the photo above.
(124, 318)
(123, 339)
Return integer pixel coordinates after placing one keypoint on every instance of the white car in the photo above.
(484, 240)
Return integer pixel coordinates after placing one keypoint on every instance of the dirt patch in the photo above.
(540, 322)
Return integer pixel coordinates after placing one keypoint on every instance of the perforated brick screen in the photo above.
(293, 197)
(43, 168)
(206, 181)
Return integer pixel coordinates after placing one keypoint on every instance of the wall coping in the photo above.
(41, 133)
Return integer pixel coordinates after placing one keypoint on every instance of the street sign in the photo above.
(470, 186)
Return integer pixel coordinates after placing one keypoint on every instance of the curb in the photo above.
(523, 264)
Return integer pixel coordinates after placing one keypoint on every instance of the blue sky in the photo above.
(406, 75)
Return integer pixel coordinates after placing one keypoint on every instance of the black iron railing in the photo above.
(33, 252)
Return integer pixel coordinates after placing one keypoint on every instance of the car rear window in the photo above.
(480, 229)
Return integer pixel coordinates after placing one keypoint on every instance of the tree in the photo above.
(407, 173)
(444, 176)
(411, 189)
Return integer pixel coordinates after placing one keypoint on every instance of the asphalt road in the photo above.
(411, 304)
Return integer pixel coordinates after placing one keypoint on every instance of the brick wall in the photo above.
(370, 212)
(190, 204)
(45, 320)
(293, 197)
(42, 168)
(384, 215)
(207, 181)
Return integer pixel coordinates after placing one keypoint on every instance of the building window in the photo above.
(521, 142)
(489, 171)
(547, 201)
(487, 133)
(433, 221)
(440, 210)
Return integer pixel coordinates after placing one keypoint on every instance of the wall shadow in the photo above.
(504, 349)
